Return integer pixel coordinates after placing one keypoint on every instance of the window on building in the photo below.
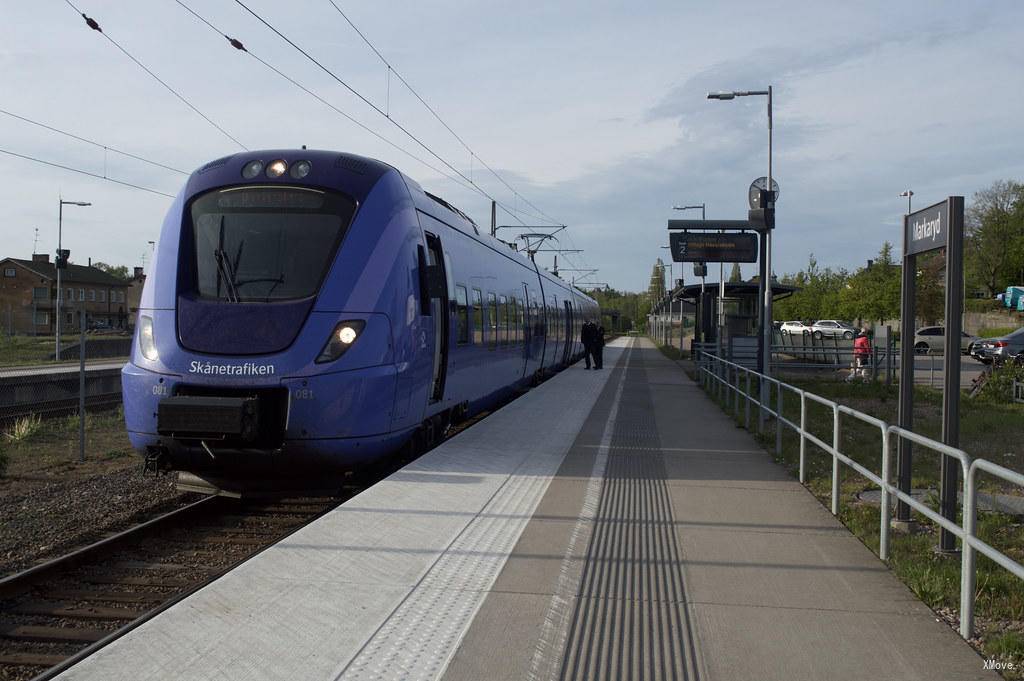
(41, 318)
(81, 295)
(10, 272)
(478, 317)
(461, 315)
(103, 296)
(92, 295)
(40, 293)
(70, 294)
(69, 318)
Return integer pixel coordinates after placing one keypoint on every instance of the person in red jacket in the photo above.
(861, 355)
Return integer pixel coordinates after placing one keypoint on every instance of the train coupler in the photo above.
(157, 461)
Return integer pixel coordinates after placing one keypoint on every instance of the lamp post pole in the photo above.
(60, 266)
(721, 285)
(766, 340)
(909, 194)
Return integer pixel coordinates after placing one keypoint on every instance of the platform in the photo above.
(610, 524)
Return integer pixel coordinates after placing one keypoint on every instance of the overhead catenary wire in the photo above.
(94, 25)
(238, 45)
(85, 172)
(92, 142)
(473, 154)
(376, 108)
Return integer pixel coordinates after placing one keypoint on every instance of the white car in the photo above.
(795, 328)
(833, 328)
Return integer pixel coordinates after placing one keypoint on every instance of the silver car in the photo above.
(796, 328)
(833, 328)
(932, 339)
(998, 350)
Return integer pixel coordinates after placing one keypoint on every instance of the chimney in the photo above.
(90, 262)
(138, 275)
(870, 263)
(40, 257)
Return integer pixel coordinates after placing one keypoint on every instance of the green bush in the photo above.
(4, 459)
(999, 387)
(995, 331)
(983, 305)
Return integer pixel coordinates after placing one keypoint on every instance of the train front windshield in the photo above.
(263, 244)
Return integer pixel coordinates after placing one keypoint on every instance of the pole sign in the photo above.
(938, 226)
(713, 247)
(926, 229)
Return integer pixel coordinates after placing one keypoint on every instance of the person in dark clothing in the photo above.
(598, 346)
(587, 338)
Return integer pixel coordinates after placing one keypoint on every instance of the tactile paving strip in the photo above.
(631, 619)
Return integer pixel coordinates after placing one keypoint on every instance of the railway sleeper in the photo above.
(98, 612)
(30, 659)
(104, 596)
(41, 634)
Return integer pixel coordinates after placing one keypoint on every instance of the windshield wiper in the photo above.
(224, 269)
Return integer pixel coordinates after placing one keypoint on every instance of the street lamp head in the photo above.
(721, 95)
(909, 192)
(75, 203)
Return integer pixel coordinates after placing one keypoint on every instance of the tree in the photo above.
(656, 289)
(119, 271)
(817, 296)
(736, 275)
(994, 239)
(873, 293)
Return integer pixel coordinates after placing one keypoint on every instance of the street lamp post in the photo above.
(766, 340)
(721, 286)
(909, 194)
(59, 266)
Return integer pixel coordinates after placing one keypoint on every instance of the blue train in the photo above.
(313, 311)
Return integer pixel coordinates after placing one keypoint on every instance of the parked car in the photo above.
(833, 328)
(998, 350)
(930, 339)
(796, 328)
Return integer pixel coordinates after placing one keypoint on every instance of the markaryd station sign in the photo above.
(927, 228)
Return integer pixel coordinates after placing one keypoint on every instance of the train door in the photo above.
(437, 287)
(525, 321)
(569, 335)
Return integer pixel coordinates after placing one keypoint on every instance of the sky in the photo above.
(595, 113)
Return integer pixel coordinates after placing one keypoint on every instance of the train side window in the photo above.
(492, 314)
(518, 322)
(478, 317)
(503, 320)
(462, 315)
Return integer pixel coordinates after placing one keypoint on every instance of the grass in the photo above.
(990, 431)
(19, 350)
(53, 443)
(996, 331)
(24, 428)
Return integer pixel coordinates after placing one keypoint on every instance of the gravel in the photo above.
(44, 517)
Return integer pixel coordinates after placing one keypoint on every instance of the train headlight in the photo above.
(146, 342)
(252, 169)
(301, 169)
(342, 338)
(276, 168)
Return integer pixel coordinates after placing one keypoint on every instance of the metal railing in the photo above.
(1018, 391)
(731, 383)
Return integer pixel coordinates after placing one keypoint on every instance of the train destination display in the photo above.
(713, 247)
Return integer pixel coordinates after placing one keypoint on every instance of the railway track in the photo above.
(61, 611)
(58, 612)
(59, 407)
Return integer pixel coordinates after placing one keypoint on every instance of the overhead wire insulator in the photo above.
(236, 43)
(91, 23)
